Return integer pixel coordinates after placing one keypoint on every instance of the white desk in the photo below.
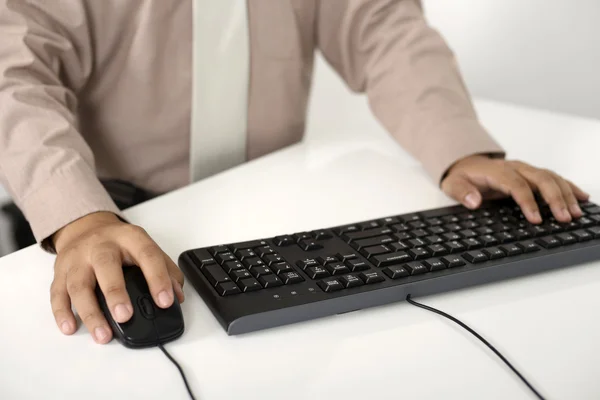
(547, 324)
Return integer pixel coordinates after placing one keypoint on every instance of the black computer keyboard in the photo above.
(290, 278)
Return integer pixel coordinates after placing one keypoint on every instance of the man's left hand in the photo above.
(475, 178)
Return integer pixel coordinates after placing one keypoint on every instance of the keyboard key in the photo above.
(321, 234)
(486, 221)
(511, 249)
(403, 236)
(475, 256)
(471, 244)
(435, 239)
(215, 274)
(302, 236)
(451, 237)
(482, 213)
(505, 237)
(595, 231)
(522, 233)
(371, 277)
(308, 245)
(585, 222)
(466, 216)
(494, 253)
(488, 240)
(307, 262)
(361, 244)
(337, 268)
(453, 227)
(593, 210)
(346, 229)
(222, 258)
(283, 241)
(434, 264)
(264, 250)
(317, 272)
(289, 278)
(419, 233)
(418, 254)
(484, 230)
(469, 224)
(326, 260)
(417, 224)
(270, 281)
(248, 245)
(281, 267)
(554, 227)
(468, 233)
(436, 230)
(273, 259)
(396, 272)
(238, 274)
(582, 235)
(389, 221)
(411, 217)
(260, 271)
(218, 249)
(566, 238)
(330, 285)
(357, 265)
(242, 254)
(538, 230)
(416, 243)
(434, 222)
(455, 246)
(500, 228)
(351, 281)
(232, 266)
(253, 262)
(346, 256)
(415, 268)
(450, 219)
(548, 242)
(374, 250)
(528, 246)
(205, 261)
(453, 261)
(391, 259)
(227, 288)
(368, 225)
(400, 228)
(366, 234)
(437, 250)
(398, 246)
(249, 285)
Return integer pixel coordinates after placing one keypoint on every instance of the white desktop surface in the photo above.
(546, 324)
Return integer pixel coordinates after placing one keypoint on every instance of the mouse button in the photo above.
(169, 322)
(146, 306)
(138, 331)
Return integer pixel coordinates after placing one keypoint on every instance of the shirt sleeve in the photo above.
(386, 49)
(45, 164)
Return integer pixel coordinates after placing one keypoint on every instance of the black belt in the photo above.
(126, 194)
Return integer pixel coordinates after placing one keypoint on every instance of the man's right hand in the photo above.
(93, 249)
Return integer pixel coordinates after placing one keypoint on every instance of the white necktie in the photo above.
(221, 59)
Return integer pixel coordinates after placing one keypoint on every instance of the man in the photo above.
(103, 89)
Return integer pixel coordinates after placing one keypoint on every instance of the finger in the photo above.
(510, 182)
(146, 254)
(579, 194)
(108, 267)
(178, 290)
(548, 187)
(80, 285)
(462, 190)
(61, 303)
(569, 197)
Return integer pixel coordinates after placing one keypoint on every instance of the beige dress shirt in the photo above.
(102, 88)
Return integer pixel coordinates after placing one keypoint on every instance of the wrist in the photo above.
(69, 232)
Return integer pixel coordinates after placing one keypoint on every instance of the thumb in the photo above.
(462, 190)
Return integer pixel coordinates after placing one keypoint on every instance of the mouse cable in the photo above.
(478, 336)
(187, 386)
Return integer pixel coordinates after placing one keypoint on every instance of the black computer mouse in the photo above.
(150, 325)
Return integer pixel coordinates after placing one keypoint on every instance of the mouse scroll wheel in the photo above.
(147, 307)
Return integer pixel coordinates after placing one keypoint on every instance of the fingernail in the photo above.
(164, 299)
(65, 327)
(101, 334)
(472, 200)
(535, 215)
(123, 312)
(576, 209)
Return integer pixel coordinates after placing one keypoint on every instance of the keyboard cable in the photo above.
(478, 336)
(187, 386)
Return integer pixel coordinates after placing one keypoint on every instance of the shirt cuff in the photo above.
(451, 142)
(68, 195)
